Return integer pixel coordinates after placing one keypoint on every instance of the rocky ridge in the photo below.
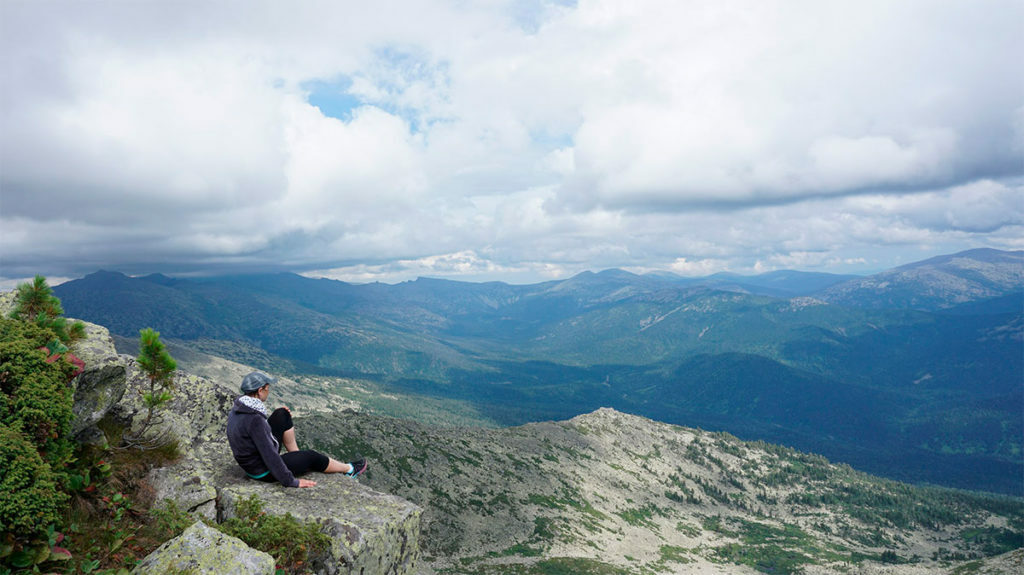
(610, 492)
(936, 283)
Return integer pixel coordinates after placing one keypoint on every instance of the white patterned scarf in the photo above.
(255, 404)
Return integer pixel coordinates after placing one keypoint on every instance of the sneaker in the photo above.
(358, 467)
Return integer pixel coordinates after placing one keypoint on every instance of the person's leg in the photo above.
(284, 431)
(288, 439)
(306, 460)
(335, 466)
(355, 468)
(302, 462)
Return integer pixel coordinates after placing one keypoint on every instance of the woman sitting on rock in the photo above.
(256, 437)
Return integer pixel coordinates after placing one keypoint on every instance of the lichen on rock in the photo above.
(97, 390)
(202, 550)
(99, 387)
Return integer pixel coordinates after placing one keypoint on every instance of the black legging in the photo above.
(299, 462)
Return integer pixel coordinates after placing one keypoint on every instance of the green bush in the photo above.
(289, 540)
(29, 498)
(35, 419)
(36, 398)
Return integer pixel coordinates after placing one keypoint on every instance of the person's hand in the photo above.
(286, 408)
(306, 483)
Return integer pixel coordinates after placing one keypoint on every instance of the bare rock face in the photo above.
(370, 532)
(97, 390)
(7, 300)
(190, 482)
(100, 386)
(202, 550)
(97, 345)
(196, 414)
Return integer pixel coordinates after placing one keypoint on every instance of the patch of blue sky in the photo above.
(332, 97)
(550, 140)
(530, 14)
(395, 73)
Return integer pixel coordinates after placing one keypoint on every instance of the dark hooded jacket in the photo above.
(253, 445)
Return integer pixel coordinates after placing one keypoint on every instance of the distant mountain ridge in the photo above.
(909, 393)
(781, 283)
(938, 283)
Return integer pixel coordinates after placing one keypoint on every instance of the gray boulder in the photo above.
(202, 550)
(196, 414)
(99, 387)
(196, 418)
(190, 482)
(370, 532)
(7, 302)
(97, 345)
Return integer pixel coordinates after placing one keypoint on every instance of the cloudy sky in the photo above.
(513, 140)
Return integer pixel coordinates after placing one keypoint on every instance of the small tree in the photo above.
(35, 302)
(159, 367)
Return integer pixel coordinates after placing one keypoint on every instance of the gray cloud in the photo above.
(495, 141)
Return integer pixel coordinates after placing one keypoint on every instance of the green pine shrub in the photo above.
(36, 398)
(35, 302)
(35, 420)
(29, 498)
(159, 368)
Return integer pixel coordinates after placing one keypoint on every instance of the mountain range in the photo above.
(914, 373)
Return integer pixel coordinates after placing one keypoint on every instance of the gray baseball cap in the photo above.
(256, 380)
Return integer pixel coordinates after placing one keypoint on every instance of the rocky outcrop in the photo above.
(189, 483)
(97, 390)
(202, 550)
(370, 532)
(7, 299)
(195, 415)
(99, 387)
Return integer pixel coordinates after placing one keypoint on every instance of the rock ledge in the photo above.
(371, 532)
